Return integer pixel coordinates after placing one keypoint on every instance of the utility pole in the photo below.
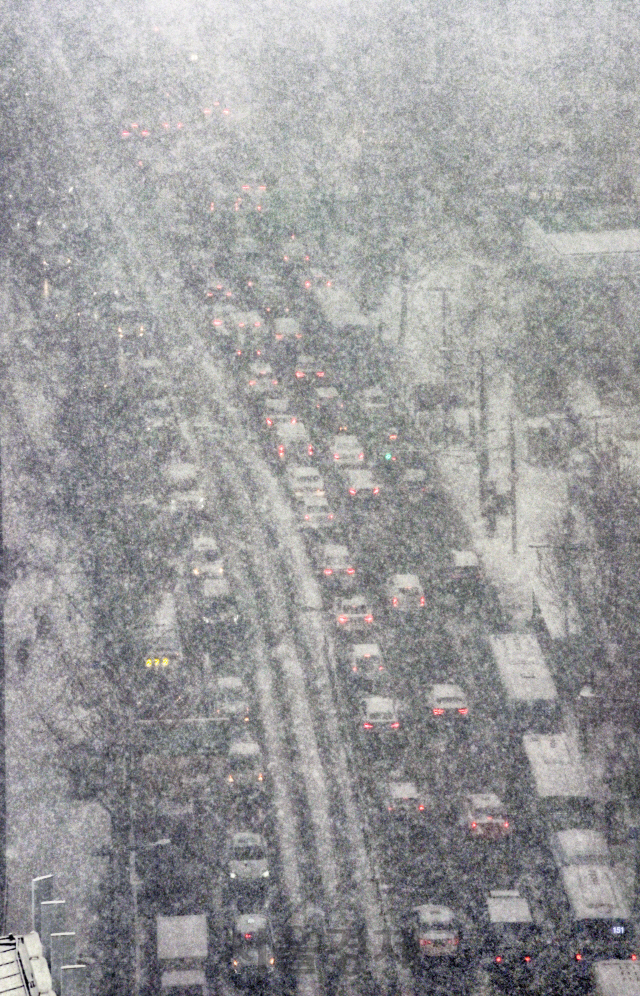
(513, 478)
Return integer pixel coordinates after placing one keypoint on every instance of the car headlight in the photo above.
(265, 874)
(232, 874)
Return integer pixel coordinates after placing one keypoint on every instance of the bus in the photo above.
(162, 644)
(597, 916)
(556, 787)
(529, 690)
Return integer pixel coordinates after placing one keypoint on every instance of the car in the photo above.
(484, 815)
(334, 565)
(287, 329)
(379, 715)
(205, 559)
(465, 568)
(352, 614)
(360, 484)
(260, 378)
(367, 667)
(247, 860)
(327, 402)
(447, 701)
(252, 948)
(231, 699)
(308, 370)
(182, 487)
(293, 443)
(413, 484)
(315, 514)
(245, 766)
(433, 931)
(404, 800)
(510, 939)
(404, 594)
(373, 400)
(304, 480)
(345, 451)
(219, 615)
(276, 412)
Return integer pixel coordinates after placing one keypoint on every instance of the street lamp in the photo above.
(135, 883)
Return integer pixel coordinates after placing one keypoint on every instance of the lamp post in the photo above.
(135, 883)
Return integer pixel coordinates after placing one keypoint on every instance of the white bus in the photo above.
(162, 644)
(617, 978)
(599, 916)
(529, 690)
(559, 789)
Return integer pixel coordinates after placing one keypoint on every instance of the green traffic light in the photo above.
(387, 456)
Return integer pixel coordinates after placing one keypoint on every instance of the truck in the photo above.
(182, 952)
(23, 967)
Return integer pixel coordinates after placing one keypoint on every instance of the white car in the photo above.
(448, 701)
(304, 480)
(231, 700)
(261, 378)
(404, 593)
(484, 815)
(334, 565)
(315, 513)
(361, 484)
(353, 614)
(293, 442)
(379, 714)
(276, 412)
(346, 451)
(307, 369)
(373, 399)
(181, 481)
(328, 401)
(404, 800)
(247, 859)
(434, 931)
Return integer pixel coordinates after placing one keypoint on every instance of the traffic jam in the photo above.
(487, 835)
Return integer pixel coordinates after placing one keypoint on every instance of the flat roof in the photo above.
(618, 978)
(594, 243)
(557, 770)
(524, 674)
(508, 906)
(594, 892)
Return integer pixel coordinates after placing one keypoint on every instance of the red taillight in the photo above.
(438, 712)
(463, 711)
(474, 826)
(633, 957)
(421, 808)
(319, 373)
(425, 942)
(376, 491)
(394, 601)
(269, 421)
(527, 958)
(578, 956)
(248, 937)
(367, 726)
(351, 570)
(368, 619)
(281, 452)
(300, 374)
(422, 600)
(310, 449)
(360, 456)
(238, 352)
(328, 571)
(498, 959)
(330, 516)
(278, 336)
(394, 726)
(353, 491)
(343, 619)
(307, 518)
(393, 436)
(293, 421)
(336, 456)
(506, 824)
(252, 383)
(274, 381)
